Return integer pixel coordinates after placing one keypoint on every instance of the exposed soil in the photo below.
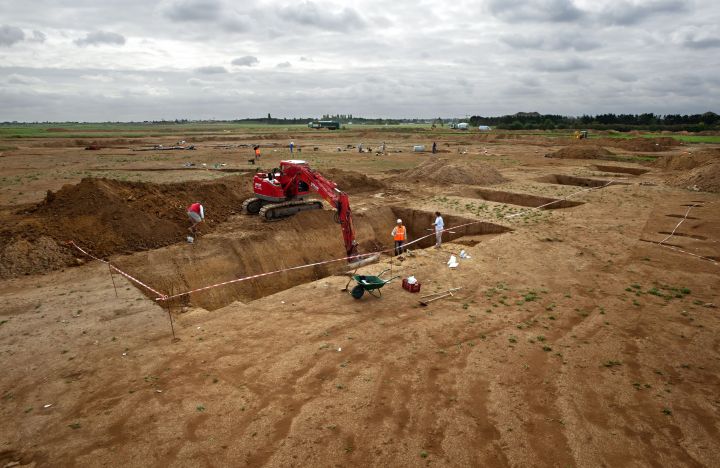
(247, 246)
(351, 181)
(705, 178)
(576, 339)
(687, 160)
(562, 179)
(523, 199)
(581, 152)
(622, 169)
(41, 255)
(646, 145)
(109, 216)
(446, 171)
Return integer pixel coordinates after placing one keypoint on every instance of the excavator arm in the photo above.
(329, 192)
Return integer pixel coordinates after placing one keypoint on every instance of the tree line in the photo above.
(619, 122)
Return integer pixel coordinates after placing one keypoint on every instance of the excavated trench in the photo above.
(523, 199)
(577, 181)
(248, 246)
(621, 169)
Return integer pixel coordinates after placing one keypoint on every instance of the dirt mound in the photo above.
(443, 171)
(23, 257)
(639, 144)
(109, 216)
(688, 160)
(351, 181)
(705, 178)
(581, 152)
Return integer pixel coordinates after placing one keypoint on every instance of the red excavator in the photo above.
(282, 191)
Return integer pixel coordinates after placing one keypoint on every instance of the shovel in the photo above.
(441, 292)
(428, 301)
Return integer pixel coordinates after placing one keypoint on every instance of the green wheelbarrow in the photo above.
(369, 283)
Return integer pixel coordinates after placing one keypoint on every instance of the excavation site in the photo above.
(567, 317)
(245, 247)
(522, 199)
(562, 179)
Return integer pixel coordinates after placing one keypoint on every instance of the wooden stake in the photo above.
(113, 280)
(172, 328)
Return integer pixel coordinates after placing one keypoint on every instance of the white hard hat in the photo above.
(399, 220)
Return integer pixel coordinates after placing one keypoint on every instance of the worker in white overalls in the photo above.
(439, 225)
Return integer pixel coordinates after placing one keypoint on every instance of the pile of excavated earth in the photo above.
(108, 217)
(444, 171)
(647, 145)
(581, 152)
(702, 169)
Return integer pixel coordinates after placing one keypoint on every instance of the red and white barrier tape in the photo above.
(677, 249)
(126, 275)
(678, 224)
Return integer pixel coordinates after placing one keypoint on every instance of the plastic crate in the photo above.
(413, 288)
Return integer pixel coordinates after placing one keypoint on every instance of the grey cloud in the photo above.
(516, 90)
(551, 42)
(381, 21)
(310, 14)
(624, 76)
(306, 59)
(447, 59)
(101, 37)
(283, 65)
(235, 24)
(704, 43)
(193, 10)
(16, 78)
(566, 65)
(626, 13)
(10, 35)
(211, 70)
(38, 36)
(529, 81)
(245, 61)
(553, 11)
(197, 82)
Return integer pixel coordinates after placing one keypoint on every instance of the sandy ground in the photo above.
(574, 341)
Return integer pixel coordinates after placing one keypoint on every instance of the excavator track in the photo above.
(276, 211)
(252, 205)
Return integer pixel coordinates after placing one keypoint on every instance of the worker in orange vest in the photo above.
(257, 153)
(399, 234)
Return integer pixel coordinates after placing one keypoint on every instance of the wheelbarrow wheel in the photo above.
(357, 292)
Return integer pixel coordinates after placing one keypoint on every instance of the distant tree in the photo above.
(516, 125)
(548, 125)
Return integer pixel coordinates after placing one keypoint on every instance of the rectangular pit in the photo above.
(562, 179)
(419, 224)
(523, 199)
(621, 169)
(247, 246)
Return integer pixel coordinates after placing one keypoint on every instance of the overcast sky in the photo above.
(100, 60)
